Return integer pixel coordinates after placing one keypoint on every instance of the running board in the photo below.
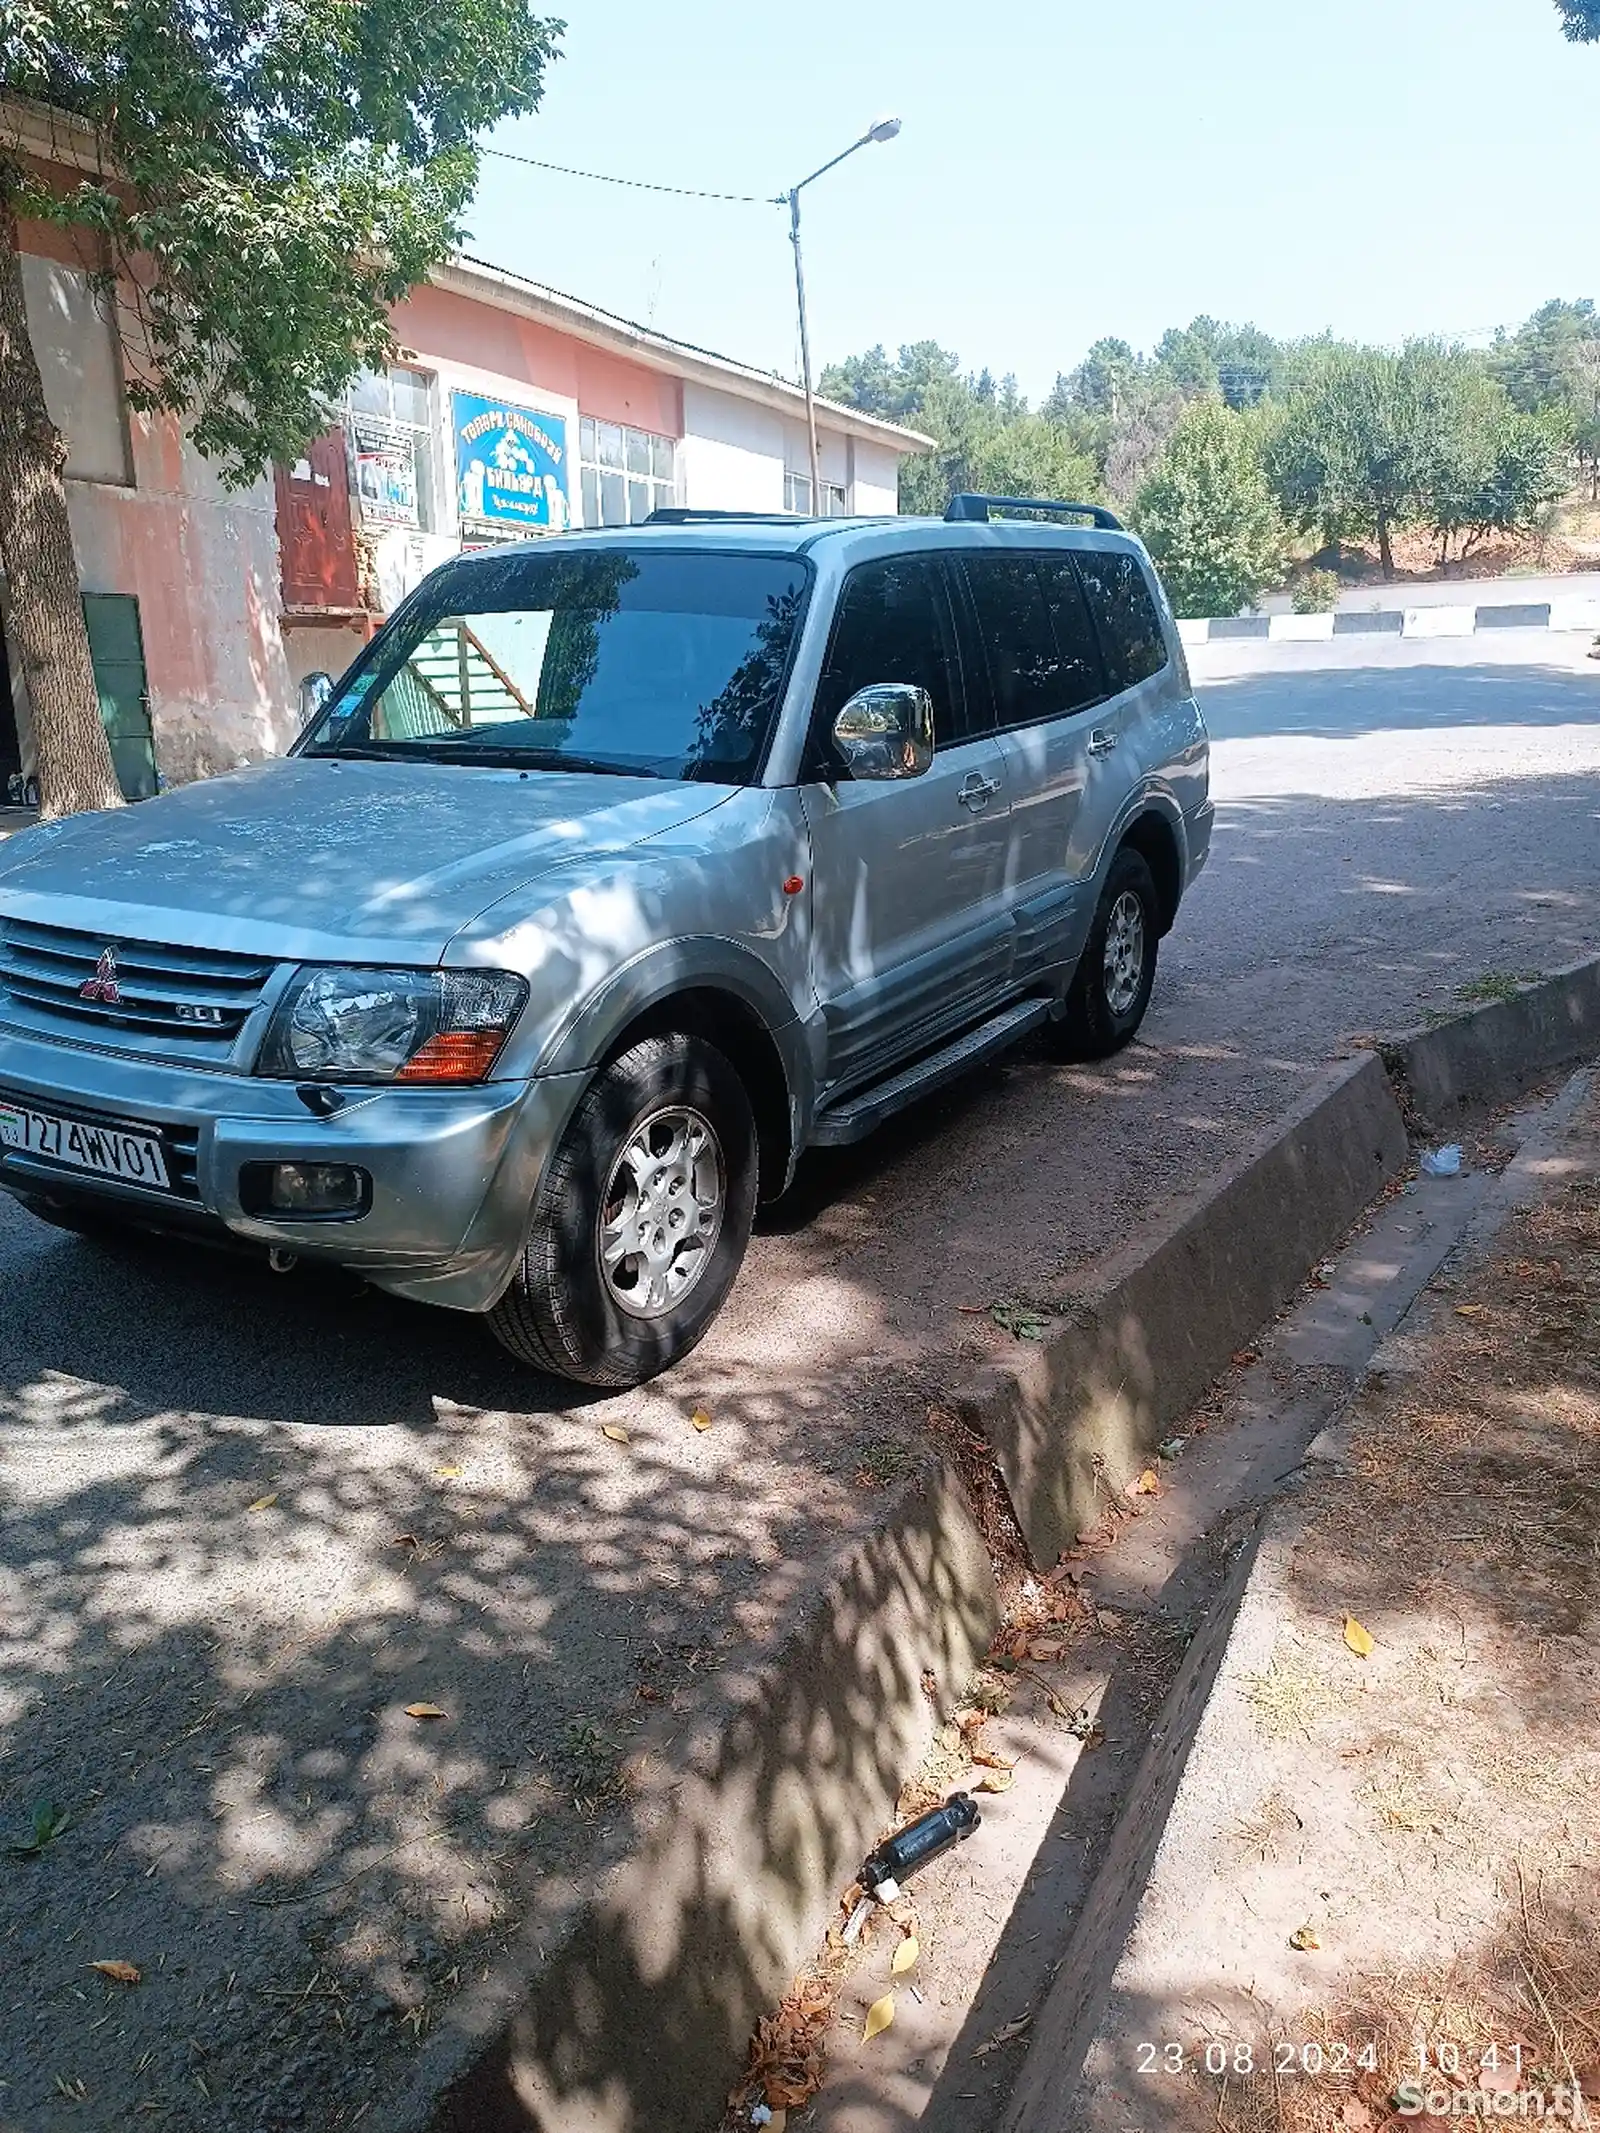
(858, 1115)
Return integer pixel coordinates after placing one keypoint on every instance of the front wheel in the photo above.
(642, 1219)
(1111, 985)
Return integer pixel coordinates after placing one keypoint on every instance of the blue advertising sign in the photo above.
(510, 463)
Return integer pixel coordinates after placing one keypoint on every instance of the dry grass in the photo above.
(1291, 1695)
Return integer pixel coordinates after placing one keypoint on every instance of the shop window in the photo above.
(389, 423)
(626, 474)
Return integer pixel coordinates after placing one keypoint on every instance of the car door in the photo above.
(1042, 656)
(910, 936)
(1138, 727)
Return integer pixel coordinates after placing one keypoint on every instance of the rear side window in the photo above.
(1037, 639)
(1130, 628)
(893, 624)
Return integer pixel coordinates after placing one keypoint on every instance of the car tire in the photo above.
(1110, 988)
(642, 1219)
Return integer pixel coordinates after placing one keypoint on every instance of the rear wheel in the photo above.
(642, 1221)
(1111, 985)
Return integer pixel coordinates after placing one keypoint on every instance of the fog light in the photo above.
(316, 1189)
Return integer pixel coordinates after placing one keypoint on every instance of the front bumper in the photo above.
(454, 1171)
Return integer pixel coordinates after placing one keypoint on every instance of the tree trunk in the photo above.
(1385, 552)
(74, 765)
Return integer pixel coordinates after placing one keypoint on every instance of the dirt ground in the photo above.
(1423, 1847)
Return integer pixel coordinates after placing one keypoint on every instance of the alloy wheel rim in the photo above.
(662, 1211)
(1124, 952)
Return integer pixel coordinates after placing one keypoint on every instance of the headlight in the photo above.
(392, 1025)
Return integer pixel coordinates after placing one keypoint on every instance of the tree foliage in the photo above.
(1580, 19)
(1208, 515)
(272, 180)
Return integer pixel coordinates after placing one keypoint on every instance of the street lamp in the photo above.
(883, 129)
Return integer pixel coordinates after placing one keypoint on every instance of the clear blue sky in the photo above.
(1068, 168)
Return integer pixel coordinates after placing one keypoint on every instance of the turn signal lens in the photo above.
(458, 1055)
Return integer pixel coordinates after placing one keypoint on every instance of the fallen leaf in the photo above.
(265, 1503)
(47, 1822)
(1304, 1938)
(700, 1418)
(879, 2015)
(1147, 1484)
(425, 1710)
(905, 1955)
(1007, 2033)
(1355, 2115)
(1108, 1619)
(614, 1431)
(1359, 1640)
(114, 1967)
(1471, 1310)
(996, 1781)
(1044, 1649)
(447, 1473)
(986, 1759)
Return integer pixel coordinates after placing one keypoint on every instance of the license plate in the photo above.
(109, 1151)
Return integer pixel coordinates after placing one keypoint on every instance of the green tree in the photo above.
(269, 181)
(1207, 513)
(1358, 442)
(1580, 19)
(1552, 363)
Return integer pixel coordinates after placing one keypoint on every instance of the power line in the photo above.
(638, 185)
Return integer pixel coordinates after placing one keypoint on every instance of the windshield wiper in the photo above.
(532, 759)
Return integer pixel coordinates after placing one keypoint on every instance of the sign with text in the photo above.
(511, 464)
(384, 462)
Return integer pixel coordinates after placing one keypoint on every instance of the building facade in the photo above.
(510, 411)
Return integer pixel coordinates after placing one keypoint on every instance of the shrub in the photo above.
(1316, 592)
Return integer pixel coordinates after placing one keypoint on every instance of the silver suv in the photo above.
(617, 870)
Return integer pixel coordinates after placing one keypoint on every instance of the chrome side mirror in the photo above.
(886, 731)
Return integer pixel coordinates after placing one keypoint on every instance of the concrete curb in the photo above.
(1499, 1048)
(1428, 621)
(635, 2016)
(1097, 1397)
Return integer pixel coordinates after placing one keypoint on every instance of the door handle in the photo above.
(977, 790)
(1100, 742)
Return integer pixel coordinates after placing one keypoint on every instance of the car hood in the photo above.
(329, 859)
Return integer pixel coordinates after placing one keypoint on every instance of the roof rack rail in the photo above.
(689, 515)
(967, 507)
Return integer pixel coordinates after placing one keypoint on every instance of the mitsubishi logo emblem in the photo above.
(103, 985)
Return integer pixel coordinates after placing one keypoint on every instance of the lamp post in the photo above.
(883, 129)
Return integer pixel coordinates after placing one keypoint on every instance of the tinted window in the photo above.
(1042, 655)
(893, 625)
(1129, 625)
(661, 665)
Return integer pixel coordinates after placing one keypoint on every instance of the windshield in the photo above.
(664, 665)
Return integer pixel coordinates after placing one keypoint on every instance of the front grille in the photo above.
(179, 1144)
(199, 997)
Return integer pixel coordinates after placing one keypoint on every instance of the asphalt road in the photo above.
(245, 1520)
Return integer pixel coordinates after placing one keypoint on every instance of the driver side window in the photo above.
(893, 625)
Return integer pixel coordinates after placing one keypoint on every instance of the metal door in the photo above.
(314, 536)
(117, 650)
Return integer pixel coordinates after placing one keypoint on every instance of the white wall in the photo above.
(731, 458)
(877, 479)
